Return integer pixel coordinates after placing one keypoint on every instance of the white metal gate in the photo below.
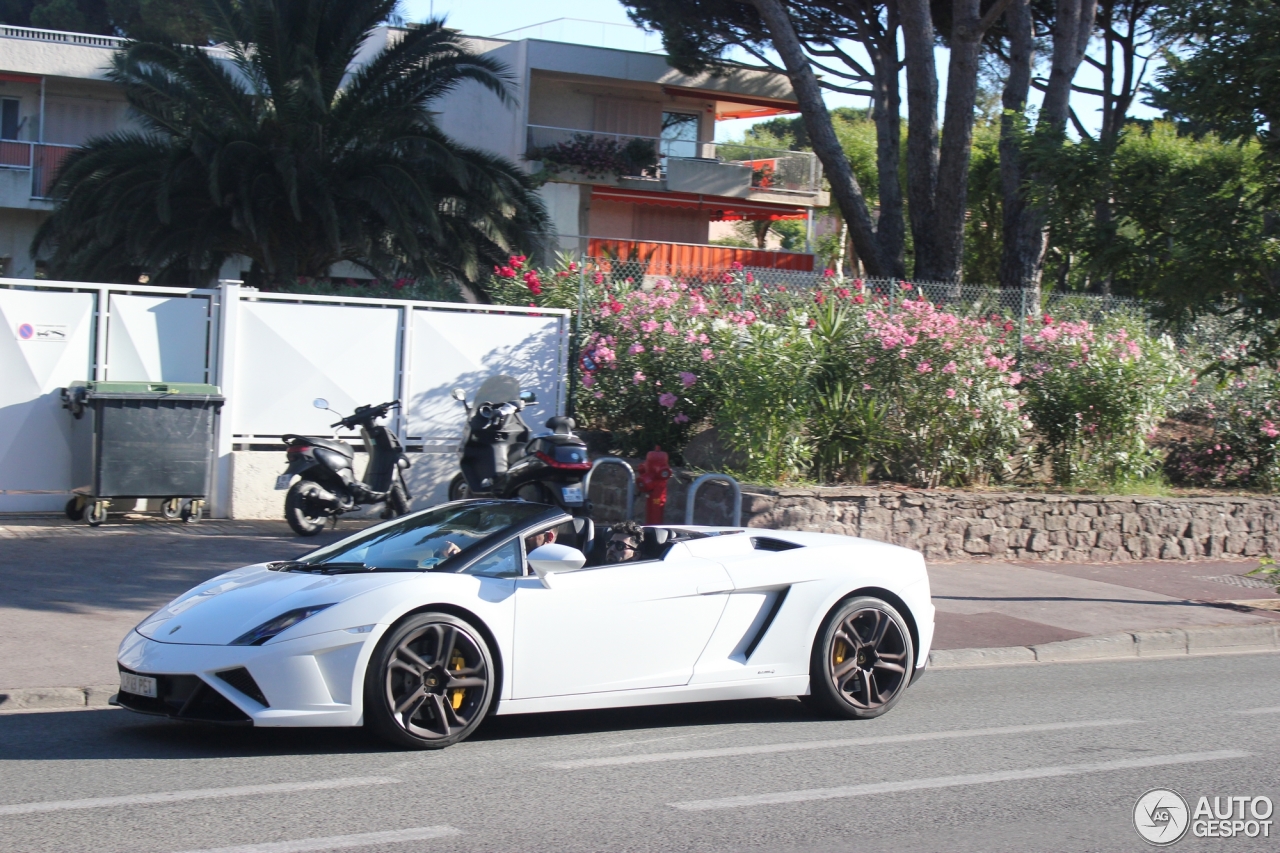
(272, 354)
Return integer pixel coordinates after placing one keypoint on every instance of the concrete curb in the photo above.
(1162, 643)
(43, 698)
(1167, 642)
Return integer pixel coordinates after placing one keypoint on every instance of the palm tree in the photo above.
(274, 145)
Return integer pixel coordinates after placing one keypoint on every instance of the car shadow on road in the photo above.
(111, 734)
(740, 711)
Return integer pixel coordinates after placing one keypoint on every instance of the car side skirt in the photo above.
(759, 688)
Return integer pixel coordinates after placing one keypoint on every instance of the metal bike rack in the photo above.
(720, 478)
(631, 481)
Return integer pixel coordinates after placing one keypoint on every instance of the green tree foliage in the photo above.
(1189, 223)
(177, 20)
(277, 151)
(1226, 78)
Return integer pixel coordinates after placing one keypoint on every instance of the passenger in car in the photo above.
(624, 543)
(537, 540)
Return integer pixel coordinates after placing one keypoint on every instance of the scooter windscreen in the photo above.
(498, 389)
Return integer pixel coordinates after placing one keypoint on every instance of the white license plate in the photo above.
(282, 482)
(571, 494)
(139, 685)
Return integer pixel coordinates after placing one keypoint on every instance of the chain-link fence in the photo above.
(772, 292)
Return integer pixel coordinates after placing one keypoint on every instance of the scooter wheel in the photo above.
(458, 489)
(302, 517)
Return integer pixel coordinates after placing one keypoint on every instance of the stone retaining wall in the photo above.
(973, 525)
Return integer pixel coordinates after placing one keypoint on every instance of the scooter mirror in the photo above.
(320, 403)
(528, 397)
(459, 395)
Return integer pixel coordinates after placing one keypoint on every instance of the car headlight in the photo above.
(283, 622)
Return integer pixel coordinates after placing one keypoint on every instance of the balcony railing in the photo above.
(672, 256)
(716, 168)
(83, 39)
(41, 159)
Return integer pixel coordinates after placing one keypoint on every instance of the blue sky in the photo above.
(573, 22)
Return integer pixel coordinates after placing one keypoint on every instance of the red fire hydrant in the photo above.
(651, 477)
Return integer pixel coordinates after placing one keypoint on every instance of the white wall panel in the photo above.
(46, 342)
(157, 339)
(453, 349)
(287, 354)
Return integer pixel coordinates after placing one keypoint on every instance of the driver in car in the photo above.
(537, 540)
(624, 543)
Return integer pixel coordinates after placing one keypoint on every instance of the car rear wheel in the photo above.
(862, 659)
(430, 682)
(299, 510)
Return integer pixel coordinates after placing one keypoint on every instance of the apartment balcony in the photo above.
(650, 163)
(27, 170)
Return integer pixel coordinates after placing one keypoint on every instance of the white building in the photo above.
(663, 183)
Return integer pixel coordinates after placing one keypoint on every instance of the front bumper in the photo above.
(310, 681)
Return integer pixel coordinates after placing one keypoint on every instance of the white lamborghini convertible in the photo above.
(420, 627)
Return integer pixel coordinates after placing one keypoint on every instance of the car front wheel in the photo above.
(430, 682)
(862, 659)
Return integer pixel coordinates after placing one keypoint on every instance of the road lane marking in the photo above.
(799, 746)
(196, 794)
(953, 781)
(339, 842)
(1261, 711)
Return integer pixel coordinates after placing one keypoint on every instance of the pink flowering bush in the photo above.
(647, 363)
(1096, 394)
(845, 384)
(1242, 449)
(949, 388)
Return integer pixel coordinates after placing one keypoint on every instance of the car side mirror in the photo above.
(458, 394)
(528, 397)
(551, 559)
(320, 403)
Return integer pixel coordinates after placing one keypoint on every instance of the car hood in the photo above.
(220, 610)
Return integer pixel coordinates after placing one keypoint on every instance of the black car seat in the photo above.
(584, 532)
(654, 543)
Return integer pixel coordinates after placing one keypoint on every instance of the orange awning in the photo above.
(720, 208)
(733, 105)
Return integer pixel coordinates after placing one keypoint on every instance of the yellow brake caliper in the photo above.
(455, 696)
(839, 652)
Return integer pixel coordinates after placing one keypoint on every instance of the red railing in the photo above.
(695, 256)
(45, 163)
(15, 154)
(42, 160)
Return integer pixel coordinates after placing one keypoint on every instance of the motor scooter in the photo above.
(501, 456)
(328, 486)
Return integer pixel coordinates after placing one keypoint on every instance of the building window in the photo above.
(679, 135)
(9, 123)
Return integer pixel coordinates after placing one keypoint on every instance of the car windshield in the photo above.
(426, 540)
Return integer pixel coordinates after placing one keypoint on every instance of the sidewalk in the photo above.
(69, 593)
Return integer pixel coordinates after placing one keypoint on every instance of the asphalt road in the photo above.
(1050, 757)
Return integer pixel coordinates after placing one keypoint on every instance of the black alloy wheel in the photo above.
(862, 659)
(300, 510)
(430, 682)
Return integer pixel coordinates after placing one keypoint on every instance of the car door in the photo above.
(624, 626)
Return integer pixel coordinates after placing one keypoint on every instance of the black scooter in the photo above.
(500, 455)
(329, 487)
